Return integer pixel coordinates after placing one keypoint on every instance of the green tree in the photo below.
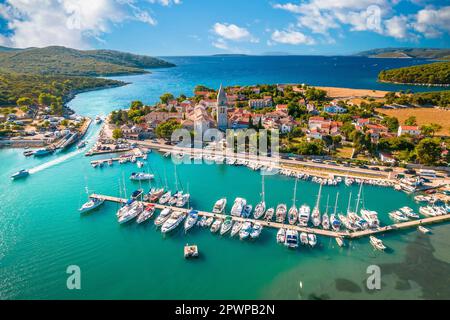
(165, 129)
(428, 151)
(117, 133)
(166, 97)
(46, 99)
(24, 102)
(429, 130)
(411, 121)
(391, 122)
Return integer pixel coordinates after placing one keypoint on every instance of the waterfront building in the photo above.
(411, 130)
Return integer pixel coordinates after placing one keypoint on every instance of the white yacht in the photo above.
(423, 229)
(132, 213)
(237, 226)
(238, 207)
(163, 216)
(219, 206)
(269, 214)
(427, 211)
(335, 222)
(141, 176)
(183, 200)
(280, 214)
(165, 197)
(398, 216)
(174, 199)
(291, 238)
(377, 243)
(259, 210)
(216, 225)
(91, 205)
(146, 214)
(256, 231)
(174, 221)
(304, 238)
(281, 235)
(226, 226)
(247, 211)
(315, 215)
(371, 217)
(191, 220)
(244, 233)
(293, 215)
(325, 221)
(312, 239)
(305, 212)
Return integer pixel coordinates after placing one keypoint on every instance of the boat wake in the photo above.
(55, 162)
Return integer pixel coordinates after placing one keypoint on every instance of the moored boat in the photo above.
(269, 214)
(226, 226)
(146, 214)
(281, 235)
(304, 215)
(237, 226)
(377, 243)
(191, 220)
(304, 238)
(291, 239)
(256, 231)
(91, 205)
(238, 207)
(244, 233)
(163, 216)
(219, 206)
(312, 239)
(165, 197)
(141, 176)
(173, 222)
(216, 225)
(280, 214)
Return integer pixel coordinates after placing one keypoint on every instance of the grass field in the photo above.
(423, 116)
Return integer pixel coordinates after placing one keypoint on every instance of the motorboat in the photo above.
(398, 216)
(146, 214)
(219, 206)
(423, 229)
(247, 211)
(280, 214)
(92, 204)
(42, 152)
(291, 238)
(312, 239)
(163, 216)
(371, 217)
(136, 209)
(141, 176)
(340, 241)
(377, 243)
(256, 231)
(209, 221)
(20, 174)
(269, 214)
(325, 221)
(237, 226)
(335, 222)
(281, 235)
(174, 221)
(174, 199)
(304, 214)
(427, 211)
(183, 200)
(244, 233)
(81, 145)
(226, 226)
(191, 220)
(216, 225)
(140, 164)
(165, 197)
(407, 211)
(304, 238)
(155, 194)
(238, 207)
(123, 209)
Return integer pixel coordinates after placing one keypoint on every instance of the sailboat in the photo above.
(325, 219)
(91, 204)
(353, 215)
(315, 215)
(335, 222)
(260, 207)
(293, 211)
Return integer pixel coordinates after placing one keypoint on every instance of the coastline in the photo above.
(417, 84)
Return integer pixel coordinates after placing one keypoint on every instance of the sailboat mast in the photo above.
(295, 192)
(318, 196)
(336, 203)
(124, 186)
(263, 194)
(328, 200)
(349, 200)
(358, 198)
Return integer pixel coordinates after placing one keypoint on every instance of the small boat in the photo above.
(427, 211)
(377, 243)
(216, 225)
(259, 210)
(173, 222)
(20, 174)
(256, 231)
(219, 206)
(191, 220)
(98, 120)
(125, 208)
(226, 226)
(182, 200)
(269, 214)
(81, 145)
(42, 152)
(237, 226)
(238, 207)
(291, 239)
(244, 233)
(165, 197)
(163, 216)
(146, 214)
(398, 216)
(325, 222)
(312, 239)
(340, 241)
(281, 235)
(335, 222)
(139, 164)
(136, 209)
(208, 222)
(28, 153)
(174, 199)
(141, 176)
(155, 194)
(423, 229)
(280, 214)
(304, 215)
(110, 162)
(91, 205)
(407, 211)
(136, 194)
(190, 251)
(304, 238)
(247, 211)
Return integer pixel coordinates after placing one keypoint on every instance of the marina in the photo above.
(308, 230)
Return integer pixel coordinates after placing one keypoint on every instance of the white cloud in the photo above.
(291, 37)
(71, 23)
(233, 32)
(397, 27)
(165, 2)
(431, 22)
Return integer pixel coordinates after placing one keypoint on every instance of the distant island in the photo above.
(417, 53)
(63, 72)
(426, 74)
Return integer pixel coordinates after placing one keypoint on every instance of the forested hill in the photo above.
(65, 61)
(417, 53)
(433, 73)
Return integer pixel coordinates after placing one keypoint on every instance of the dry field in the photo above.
(334, 92)
(423, 116)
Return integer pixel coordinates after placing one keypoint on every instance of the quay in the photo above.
(277, 225)
(135, 153)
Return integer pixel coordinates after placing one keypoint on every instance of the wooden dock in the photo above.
(135, 153)
(277, 225)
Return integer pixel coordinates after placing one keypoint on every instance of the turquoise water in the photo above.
(41, 232)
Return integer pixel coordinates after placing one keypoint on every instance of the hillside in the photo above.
(433, 73)
(65, 61)
(418, 53)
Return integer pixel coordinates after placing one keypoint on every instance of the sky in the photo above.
(203, 27)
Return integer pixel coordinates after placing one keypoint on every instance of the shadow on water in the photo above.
(421, 266)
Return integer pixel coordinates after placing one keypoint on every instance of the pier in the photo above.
(136, 153)
(317, 231)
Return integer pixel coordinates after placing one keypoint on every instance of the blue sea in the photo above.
(42, 234)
